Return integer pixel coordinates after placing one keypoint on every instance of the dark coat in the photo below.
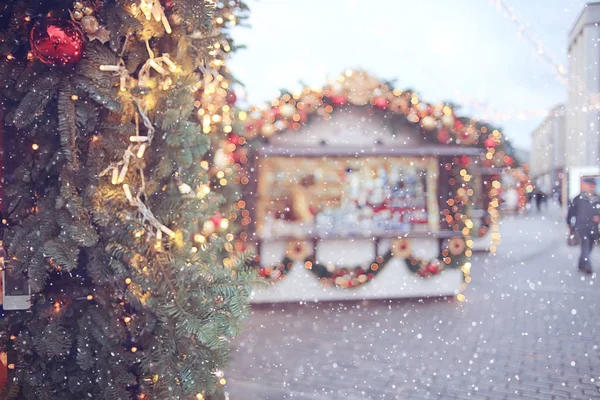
(584, 208)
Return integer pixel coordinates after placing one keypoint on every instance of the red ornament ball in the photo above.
(338, 100)
(380, 102)
(458, 126)
(231, 98)
(234, 139)
(489, 143)
(465, 161)
(433, 269)
(303, 116)
(217, 218)
(443, 136)
(57, 41)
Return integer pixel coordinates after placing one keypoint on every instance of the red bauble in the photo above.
(57, 41)
(231, 97)
(490, 143)
(465, 161)
(380, 102)
(424, 272)
(234, 139)
(338, 100)
(217, 218)
(433, 269)
(303, 116)
(443, 136)
(508, 160)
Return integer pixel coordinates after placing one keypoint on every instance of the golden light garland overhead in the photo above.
(559, 70)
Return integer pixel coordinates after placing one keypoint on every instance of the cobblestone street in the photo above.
(529, 329)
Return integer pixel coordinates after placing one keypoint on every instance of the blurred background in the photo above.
(526, 326)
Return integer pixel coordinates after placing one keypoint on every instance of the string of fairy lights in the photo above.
(544, 56)
(525, 32)
(213, 103)
(559, 71)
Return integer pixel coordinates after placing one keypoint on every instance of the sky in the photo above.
(465, 51)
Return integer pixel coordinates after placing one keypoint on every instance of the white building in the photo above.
(548, 151)
(583, 135)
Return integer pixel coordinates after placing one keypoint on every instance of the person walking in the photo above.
(585, 209)
(539, 197)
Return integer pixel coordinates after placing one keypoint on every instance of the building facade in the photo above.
(583, 134)
(548, 158)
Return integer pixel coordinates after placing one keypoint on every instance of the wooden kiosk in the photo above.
(360, 191)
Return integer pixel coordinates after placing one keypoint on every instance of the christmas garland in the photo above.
(439, 122)
(452, 256)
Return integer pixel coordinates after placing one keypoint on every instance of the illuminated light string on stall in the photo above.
(293, 110)
(454, 254)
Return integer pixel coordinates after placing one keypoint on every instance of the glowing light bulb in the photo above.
(224, 223)
(198, 238)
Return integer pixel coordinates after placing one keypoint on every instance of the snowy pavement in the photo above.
(529, 329)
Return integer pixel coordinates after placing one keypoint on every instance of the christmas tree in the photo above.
(112, 111)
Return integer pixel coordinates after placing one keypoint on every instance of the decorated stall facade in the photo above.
(363, 187)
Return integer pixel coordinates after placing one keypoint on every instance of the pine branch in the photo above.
(67, 124)
(42, 91)
(201, 12)
(119, 23)
(63, 252)
(102, 96)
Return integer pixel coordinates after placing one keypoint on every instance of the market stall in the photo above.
(359, 190)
